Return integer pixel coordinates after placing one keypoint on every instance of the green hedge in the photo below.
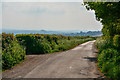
(111, 32)
(109, 62)
(41, 44)
(40, 47)
(14, 48)
(12, 52)
(109, 57)
(109, 54)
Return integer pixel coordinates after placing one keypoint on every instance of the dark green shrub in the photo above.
(34, 45)
(53, 45)
(12, 52)
(106, 66)
(41, 43)
(45, 47)
(117, 60)
(107, 55)
(12, 55)
(114, 72)
(61, 48)
(116, 41)
(39, 47)
(108, 59)
(55, 39)
(7, 39)
(49, 38)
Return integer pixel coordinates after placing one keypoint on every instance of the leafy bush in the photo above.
(114, 72)
(43, 47)
(53, 45)
(108, 59)
(12, 52)
(116, 41)
(41, 44)
(107, 55)
(13, 48)
(34, 45)
(107, 66)
(12, 55)
(111, 70)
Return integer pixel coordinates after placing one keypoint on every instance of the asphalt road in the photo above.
(75, 63)
(79, 62)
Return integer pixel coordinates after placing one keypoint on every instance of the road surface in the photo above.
(79, 62)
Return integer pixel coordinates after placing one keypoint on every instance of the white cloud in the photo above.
(50, 16)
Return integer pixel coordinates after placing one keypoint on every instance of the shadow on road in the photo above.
(92, 59)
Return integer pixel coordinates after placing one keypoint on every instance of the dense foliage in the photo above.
(40, 44)
(14, 48)
(108, 13)
(0, 52)
(116, 41)
(12, 52)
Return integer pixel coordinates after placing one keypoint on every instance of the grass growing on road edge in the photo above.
(14, 48)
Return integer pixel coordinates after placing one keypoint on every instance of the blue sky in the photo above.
(48, 16)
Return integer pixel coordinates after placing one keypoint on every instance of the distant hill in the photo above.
(89, 33)
(65, 33)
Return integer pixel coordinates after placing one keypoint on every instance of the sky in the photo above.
(41, 0)
(48, 16)
(0, 17)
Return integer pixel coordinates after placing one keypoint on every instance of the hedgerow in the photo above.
(109, 58)
(12, 52)
(41, 44)
(14, 48)
(109, 44)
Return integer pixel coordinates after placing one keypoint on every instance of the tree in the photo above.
(108, 13)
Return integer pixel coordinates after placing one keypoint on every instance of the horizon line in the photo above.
(49, 30)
